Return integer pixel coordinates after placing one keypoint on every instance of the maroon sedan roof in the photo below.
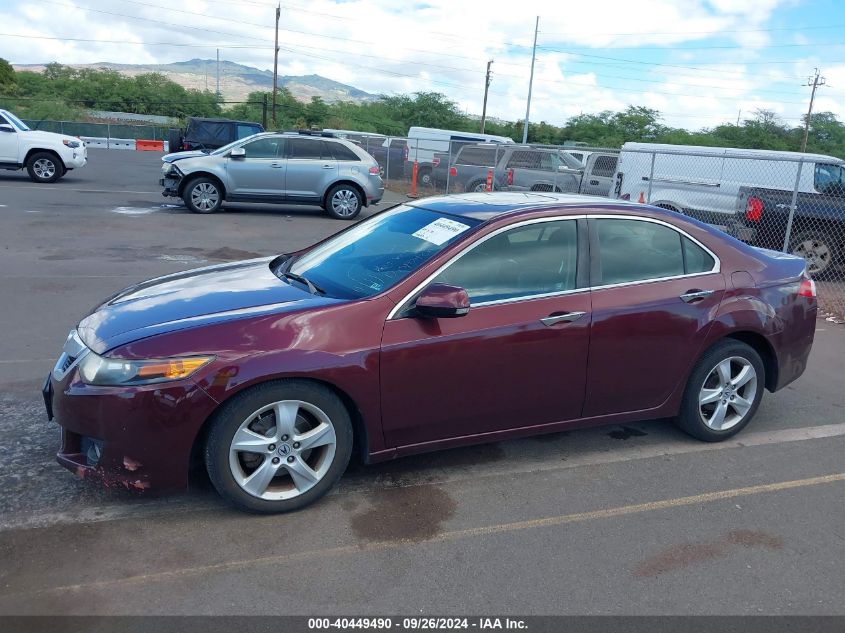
(486, 206)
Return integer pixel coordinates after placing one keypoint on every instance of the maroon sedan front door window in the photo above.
(648, 324)
(518, 357)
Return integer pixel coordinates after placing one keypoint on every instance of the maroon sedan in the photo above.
(443, 322)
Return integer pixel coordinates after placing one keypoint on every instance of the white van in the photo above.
(704, 182)
(424, 142)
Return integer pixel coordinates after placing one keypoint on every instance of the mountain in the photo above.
(236, 80)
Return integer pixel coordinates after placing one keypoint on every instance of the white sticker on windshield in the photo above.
(440, 231)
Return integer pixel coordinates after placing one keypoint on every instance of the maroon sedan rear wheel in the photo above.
(723, 391)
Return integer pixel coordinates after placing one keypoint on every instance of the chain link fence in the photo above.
(794, 203)
(102, 130)
(787, 202)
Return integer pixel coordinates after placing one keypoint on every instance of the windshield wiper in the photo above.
(313, 288)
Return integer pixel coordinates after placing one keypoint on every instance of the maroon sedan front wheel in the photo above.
(279, 446)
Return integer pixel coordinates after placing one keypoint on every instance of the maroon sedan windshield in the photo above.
(380, 251)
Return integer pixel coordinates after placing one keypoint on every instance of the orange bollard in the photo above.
(413, 193)
(642, 198)
(489, 186)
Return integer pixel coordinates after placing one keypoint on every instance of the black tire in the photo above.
(691, 417)
(44, 167)
(343, 202)
(174, 140)
(192, 195)
(473, 186)
(425, 178)
(819, 251)
(228, 420)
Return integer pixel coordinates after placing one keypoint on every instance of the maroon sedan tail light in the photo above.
(807, 289)
(754, 209)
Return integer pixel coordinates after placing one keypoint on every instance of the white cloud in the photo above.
(388, 46)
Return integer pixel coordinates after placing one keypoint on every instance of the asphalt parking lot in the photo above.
(638, 519)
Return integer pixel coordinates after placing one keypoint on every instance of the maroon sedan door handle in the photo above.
(566, 317)
(695, 295)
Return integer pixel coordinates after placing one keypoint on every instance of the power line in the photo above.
(462, 87)
(231, 20)
(714, 32)
(698, 48)
(559, 82)
(463, 36)
(170, 24)
(417, 62)
(254, 24)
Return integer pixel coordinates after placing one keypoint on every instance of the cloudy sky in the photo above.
(700, 62)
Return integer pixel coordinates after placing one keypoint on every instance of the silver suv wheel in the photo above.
(203, 195)
(343, 202)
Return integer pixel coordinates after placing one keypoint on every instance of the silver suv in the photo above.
(287, 168)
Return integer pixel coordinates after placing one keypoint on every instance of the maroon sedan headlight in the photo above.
(99, 370)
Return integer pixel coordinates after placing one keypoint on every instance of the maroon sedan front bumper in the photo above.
(137, 438)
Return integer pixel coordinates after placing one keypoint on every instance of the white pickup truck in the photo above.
(46, 156)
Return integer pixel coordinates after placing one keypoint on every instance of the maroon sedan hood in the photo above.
(192, 299)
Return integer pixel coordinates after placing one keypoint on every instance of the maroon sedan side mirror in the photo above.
(440, 301)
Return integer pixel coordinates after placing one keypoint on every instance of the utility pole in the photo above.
(530, 82)
(739, 114)
(276, 63)
(264, 111)
(218, 75)
(815, 82)
(486, 88)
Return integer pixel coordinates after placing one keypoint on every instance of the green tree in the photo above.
(7, 76)
(827, 134)
(316, 112)
(61, 92)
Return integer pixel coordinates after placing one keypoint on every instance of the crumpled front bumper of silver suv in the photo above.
(170, 179)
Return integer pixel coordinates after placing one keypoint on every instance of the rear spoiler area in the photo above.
(788, 268)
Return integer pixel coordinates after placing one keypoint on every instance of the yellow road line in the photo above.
(579, 517)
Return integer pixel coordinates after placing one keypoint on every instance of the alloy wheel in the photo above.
(44, 168)
(282, 450)
(816, 253)
(728, 393)
(205, 196)
(345, 203)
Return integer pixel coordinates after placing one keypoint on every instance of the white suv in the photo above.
(46, 156)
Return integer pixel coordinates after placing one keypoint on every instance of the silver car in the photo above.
(287, 168)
